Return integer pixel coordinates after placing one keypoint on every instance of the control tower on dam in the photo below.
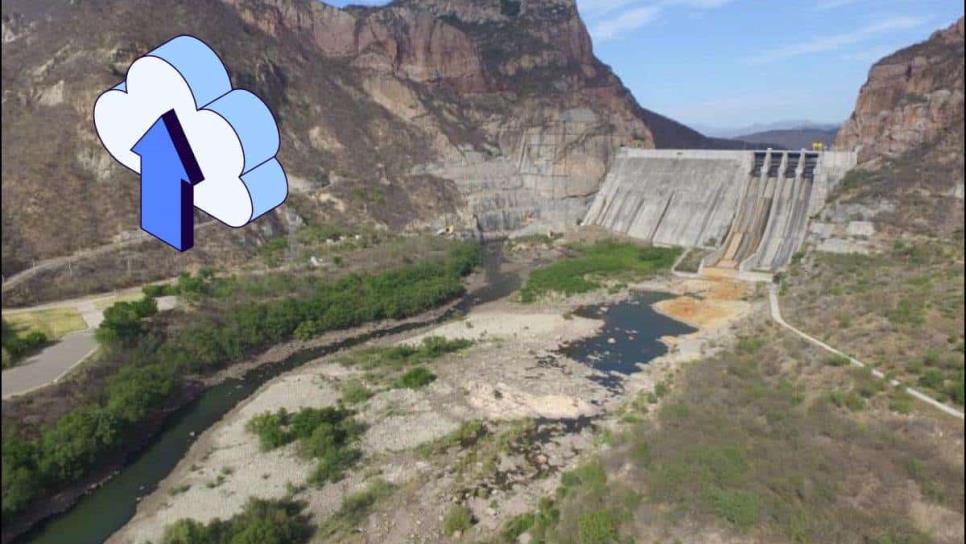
(751, 208)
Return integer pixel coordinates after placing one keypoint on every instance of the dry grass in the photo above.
(54, 322)
(901, 311)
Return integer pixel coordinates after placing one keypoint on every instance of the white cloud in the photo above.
(592, 9)
(823, 5)
(642, 13)
(628, 20)
(834, 42)
(871, 54)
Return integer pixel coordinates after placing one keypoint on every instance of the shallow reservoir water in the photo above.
(629, 338)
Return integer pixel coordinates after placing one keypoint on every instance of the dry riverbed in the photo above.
(541, 411)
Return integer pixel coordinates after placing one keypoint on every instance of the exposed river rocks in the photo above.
(540, 378)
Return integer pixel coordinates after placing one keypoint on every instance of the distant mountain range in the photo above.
(739, 132)
(794, 138)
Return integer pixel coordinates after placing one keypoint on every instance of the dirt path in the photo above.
(775, 311)
(138, 237)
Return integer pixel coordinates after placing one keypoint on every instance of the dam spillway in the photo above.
(751, 208)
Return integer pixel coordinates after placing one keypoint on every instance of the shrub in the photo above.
(517, 526)
(269, 428)
(590, 476)
(459, 518)
(159, 290)
(122, 324)
(468, 433)
(932, 379)
(851, 400)
(20, 346)
(738, 507)
(404, 355)
(510, 8)
(306, 330)
(907, 312)
(901, 402)
(355, 507)
(261, 522)
(326, 434)
(354, 392)
(837, 360)
(597, 528)
(332, 465)
(955, 389)
(415, 378)
(749, 345)
(606, 259)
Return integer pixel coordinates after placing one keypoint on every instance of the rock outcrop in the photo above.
(908, 127)
(912, 97)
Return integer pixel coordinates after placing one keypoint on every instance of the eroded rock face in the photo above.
(908, 127)
(911, 97)
(519, 113)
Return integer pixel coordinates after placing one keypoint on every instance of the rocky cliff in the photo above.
(912, 97)
(908, 127)
(415, 114)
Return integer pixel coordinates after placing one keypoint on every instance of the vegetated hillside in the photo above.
(796, 138)
(767, 441)
(416, 113)
(908, 128)
(892, 295)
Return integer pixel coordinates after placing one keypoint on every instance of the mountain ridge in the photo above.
(791, 124)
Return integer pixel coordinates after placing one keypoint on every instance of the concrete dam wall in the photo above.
(750, 207)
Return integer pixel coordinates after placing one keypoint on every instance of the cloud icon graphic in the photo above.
(232, 133)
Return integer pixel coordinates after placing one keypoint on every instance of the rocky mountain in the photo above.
(908, 129)
(912, 97)
(416, 114)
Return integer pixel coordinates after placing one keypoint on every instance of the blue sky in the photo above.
(729, 63)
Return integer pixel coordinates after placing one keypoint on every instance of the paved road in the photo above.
(54, 362)
(50, 364)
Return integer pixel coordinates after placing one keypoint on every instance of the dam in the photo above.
(749, 208)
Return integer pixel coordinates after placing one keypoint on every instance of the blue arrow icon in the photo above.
(169, 173)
